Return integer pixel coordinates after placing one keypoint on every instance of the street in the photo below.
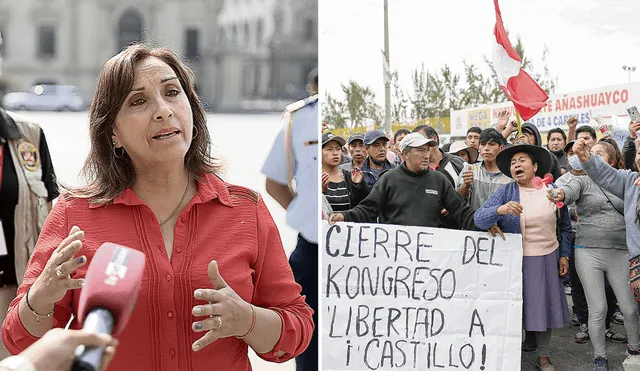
(567, 355)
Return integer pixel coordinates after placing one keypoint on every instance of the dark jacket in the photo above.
(450, 166)
(555, 165)
(403, 197)
(357, 191)
(456, 163)
(369, 176)
(487, 216)
(629, 154)
(563, 161)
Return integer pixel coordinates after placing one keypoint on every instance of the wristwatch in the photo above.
(17, 363)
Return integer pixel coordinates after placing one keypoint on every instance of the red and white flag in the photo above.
(527, 96)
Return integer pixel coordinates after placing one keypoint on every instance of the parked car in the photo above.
(45, 98)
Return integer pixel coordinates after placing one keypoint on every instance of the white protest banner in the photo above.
(412, 298)
(606, 101)
(619, 129)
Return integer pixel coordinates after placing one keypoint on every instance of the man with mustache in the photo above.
(412, 193)
(376, 163)
(556, 140)
(357, 151)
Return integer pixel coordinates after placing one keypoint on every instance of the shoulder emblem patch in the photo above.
(29, 156)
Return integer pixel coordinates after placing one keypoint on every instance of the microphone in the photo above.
(111, 287)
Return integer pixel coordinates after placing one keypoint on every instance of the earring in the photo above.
(195, 128)
(115, 151)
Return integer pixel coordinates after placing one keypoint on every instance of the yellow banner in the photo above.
(442, 126)
(480, 118)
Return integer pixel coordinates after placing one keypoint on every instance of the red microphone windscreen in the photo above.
(112, 282)
(548, 178)
(537, 182)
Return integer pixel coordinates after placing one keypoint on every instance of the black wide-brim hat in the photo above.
(542, 157)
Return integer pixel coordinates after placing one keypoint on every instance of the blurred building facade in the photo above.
(246, 54)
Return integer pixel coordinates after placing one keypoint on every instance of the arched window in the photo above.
(129, 29)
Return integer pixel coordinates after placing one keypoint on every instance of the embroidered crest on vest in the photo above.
(29, 156)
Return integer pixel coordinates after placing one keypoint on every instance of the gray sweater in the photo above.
(599, 224)
(620, 183)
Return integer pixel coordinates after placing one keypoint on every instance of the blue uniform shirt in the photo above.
(302, 213)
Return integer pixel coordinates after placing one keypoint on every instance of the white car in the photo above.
(45, 98)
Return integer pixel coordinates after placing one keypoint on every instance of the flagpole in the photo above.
(519, 122)
(387, 85)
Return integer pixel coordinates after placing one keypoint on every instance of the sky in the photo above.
(588, 40)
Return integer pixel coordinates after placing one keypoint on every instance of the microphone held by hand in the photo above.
(112, 285)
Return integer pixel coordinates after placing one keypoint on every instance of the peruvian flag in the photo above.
(527, 96)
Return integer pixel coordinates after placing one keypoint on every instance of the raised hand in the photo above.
(580, 149)
(356, 175)
(55, 279)
(325, 182)
(572, 122)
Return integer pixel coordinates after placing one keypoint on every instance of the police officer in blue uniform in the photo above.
(292, 179)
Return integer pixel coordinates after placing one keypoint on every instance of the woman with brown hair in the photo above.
(215, 262)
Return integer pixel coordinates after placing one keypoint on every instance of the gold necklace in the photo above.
(179, 204)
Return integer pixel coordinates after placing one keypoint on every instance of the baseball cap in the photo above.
(353, 137)
(416, 140)
(372, 136)
(569, 145)
(328, 137)
(460, 145)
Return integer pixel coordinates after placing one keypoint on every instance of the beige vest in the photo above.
(32, 210)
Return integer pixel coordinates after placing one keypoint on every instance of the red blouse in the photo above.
(223, 222)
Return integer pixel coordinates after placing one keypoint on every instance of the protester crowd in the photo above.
(580, 230)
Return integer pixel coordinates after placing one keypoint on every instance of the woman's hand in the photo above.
(495, 230)
(581, 150)
(228, 315)
(556, 196)
(55, 350)
(325, 182)
(335, 218)
(356, 175)
(563, 268)
(55, 279)
(511, 208)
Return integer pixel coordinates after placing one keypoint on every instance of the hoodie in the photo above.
(563, 161)
(555, 165)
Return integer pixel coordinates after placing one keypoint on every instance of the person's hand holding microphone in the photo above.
(55, 351)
